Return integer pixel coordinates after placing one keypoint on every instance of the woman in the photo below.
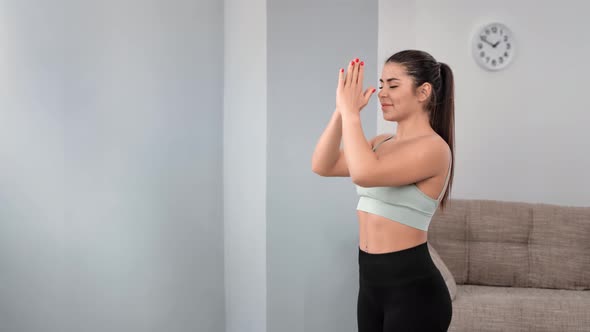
(400, 186)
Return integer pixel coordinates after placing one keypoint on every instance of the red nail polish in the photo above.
(352, 62)
(356, 60)
(374, 90)
(362, 63)
(341, 70)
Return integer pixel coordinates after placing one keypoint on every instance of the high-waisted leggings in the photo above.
(402, 291)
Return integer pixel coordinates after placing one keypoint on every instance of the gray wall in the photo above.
(32, 194)
(312, 231)
(244, 167)
(110, 166)
(290, 262)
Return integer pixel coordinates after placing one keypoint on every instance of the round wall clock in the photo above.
(493, 46)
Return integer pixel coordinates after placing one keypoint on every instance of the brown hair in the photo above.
(422, 67)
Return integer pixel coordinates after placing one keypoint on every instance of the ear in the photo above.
(424, 91)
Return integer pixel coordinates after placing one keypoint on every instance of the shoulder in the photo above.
(431, 154)
(436, 148)
(379, 138)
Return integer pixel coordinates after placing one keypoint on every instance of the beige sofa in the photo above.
(517, 266)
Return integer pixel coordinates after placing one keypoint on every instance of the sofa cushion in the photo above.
(560, 247)
(518, 244)
(489, 308)
(444, 270)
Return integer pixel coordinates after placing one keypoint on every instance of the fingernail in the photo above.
(352, 62)
(356, 60)
(362, 63)
(374, 90)
(341, 70)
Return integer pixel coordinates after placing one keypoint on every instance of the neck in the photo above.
(415, 126)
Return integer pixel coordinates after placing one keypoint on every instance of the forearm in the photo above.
(327, 150)
(358, 152)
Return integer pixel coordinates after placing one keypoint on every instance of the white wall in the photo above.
(521, 133)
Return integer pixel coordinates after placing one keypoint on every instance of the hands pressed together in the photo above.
(350, 98)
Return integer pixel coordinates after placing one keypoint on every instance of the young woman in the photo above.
(400, 186)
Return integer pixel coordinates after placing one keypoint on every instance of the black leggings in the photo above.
(402, 291)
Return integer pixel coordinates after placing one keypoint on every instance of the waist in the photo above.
(398, 266)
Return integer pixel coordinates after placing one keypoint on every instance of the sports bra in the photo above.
(405, 204)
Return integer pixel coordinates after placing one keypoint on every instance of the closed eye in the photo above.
(391, 87)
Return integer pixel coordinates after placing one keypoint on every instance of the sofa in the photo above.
(514, 266)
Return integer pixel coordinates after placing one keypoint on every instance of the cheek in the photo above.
(403, 98)
(396, 99)
(397, 94)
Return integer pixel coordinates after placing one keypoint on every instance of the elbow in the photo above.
(317, 170)
(314, 167)
(360, 178)
(357, 180)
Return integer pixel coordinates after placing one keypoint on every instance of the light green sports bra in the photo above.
(405, 204)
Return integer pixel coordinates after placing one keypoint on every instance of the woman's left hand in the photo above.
(350, 97)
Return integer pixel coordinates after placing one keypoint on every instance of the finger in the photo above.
(348, 79)
(361, 74)
(341, 78)
(368, 93)
(355, 71)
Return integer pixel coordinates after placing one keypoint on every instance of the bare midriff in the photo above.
(378, 234)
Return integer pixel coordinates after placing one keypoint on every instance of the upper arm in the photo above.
(407, 163)
(341, 167)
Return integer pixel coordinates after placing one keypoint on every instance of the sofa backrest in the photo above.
(519, 244)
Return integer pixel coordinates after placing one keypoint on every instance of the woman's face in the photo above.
(396, 96)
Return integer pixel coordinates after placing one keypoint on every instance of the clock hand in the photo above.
(496, 44)
(486, 41)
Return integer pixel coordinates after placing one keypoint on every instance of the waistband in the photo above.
(398, 266)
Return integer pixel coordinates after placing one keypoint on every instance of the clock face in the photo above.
(493, 46)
